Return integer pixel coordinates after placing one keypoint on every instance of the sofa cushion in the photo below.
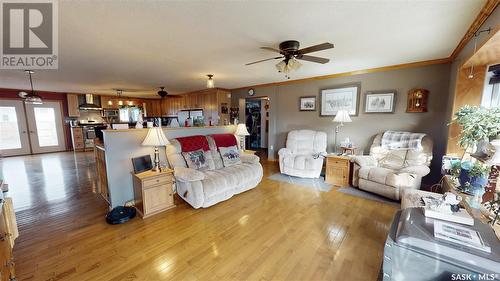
(302, 162)
(385, 176)
(215, 153)
(230, 155)
(224, 140)
(228, 179)
(393, 159)
(192, 143)
(199, 160)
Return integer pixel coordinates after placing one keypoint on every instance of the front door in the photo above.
(13, 130)
(45, 127)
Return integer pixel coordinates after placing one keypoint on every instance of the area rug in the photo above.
(367, 195)
(318, 184)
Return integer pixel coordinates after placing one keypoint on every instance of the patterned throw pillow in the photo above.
(230, 155)
(199, 160)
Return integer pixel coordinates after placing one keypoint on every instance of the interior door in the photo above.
(45, 127)
(14, 133)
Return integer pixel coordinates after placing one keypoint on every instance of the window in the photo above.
(491, 93)
(9, 138)
(124, 117)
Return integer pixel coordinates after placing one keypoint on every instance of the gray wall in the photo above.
(285, 115)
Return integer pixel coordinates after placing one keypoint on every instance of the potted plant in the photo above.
(478, 124)
(472, 177)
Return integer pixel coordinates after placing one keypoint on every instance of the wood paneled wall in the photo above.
(468, 91)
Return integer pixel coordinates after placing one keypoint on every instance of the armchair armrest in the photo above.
(365, 161)
(188, 174)
(284, 151)
(249, 158)
(419, 170)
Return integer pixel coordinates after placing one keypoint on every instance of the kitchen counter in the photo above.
(167, 128)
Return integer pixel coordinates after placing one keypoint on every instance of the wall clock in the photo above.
(251, 92)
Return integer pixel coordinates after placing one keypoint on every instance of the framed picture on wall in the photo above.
(380, 101)
(345, 97)
(307, 103)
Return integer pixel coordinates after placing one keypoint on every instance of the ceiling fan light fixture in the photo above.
(294, 64)
(281, 66)
(210, 81)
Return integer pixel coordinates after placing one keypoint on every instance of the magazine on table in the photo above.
(459, 235)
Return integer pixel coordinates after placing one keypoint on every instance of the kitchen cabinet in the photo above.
(109, 102)
(73, 105)
(77, 139)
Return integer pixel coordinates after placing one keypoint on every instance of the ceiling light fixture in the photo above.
(31, 97)
(119, 93)
(476, 34)
(210, 81)
(287, 65)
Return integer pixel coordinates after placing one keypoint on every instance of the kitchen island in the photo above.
(120, 146)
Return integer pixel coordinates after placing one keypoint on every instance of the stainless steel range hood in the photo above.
(89, 103)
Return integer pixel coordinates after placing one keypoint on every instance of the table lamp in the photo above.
(241, 132)
(156, 138)
(341, 117)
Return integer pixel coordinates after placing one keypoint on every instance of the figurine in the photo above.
(452, 200)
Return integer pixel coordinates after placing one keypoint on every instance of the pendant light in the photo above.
(119, 93)
(210, 81)
(30, 98)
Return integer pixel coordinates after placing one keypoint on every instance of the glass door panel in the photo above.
(45, 127)
(13, 132)
(45, 120)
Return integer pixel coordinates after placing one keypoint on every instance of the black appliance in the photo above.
(120, 214)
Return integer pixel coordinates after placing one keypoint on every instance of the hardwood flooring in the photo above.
(276, 231)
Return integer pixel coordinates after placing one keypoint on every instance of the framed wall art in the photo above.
(380, 101)
(345, 97)
(307, 103)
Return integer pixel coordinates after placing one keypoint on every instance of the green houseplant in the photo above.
(478, 124)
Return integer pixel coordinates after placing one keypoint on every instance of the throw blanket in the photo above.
(404, 140)
(224, 140)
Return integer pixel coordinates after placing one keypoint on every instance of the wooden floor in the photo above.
(276, 231)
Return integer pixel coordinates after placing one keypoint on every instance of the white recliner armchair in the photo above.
(303, 155)
(388, 172)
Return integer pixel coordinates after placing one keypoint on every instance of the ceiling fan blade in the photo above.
(312, 58)
(315, 48)
(264, 60)
(271, 49)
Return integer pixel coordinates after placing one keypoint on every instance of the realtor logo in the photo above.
(29, 34)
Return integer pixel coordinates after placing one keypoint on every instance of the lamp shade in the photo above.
(342, 117)
(155, 137)
(241, 130)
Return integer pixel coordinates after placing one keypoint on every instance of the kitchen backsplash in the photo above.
(91, 115)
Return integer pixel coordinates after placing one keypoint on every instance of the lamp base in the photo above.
(156, 167)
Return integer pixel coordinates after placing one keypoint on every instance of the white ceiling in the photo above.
(145, 44)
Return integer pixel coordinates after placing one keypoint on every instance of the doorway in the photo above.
(30, 128)
(257, 122)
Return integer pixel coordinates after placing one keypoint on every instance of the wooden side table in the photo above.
(338, 170)
(153, 192)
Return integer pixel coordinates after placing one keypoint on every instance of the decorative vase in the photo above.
(476, 184)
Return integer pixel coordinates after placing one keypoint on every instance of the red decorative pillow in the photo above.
(224, 140)
(193, 143)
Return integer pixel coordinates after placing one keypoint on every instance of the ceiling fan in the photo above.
(289, 51)
(164, 94)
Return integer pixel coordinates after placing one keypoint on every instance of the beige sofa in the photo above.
(388, 172)
(204, 188)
